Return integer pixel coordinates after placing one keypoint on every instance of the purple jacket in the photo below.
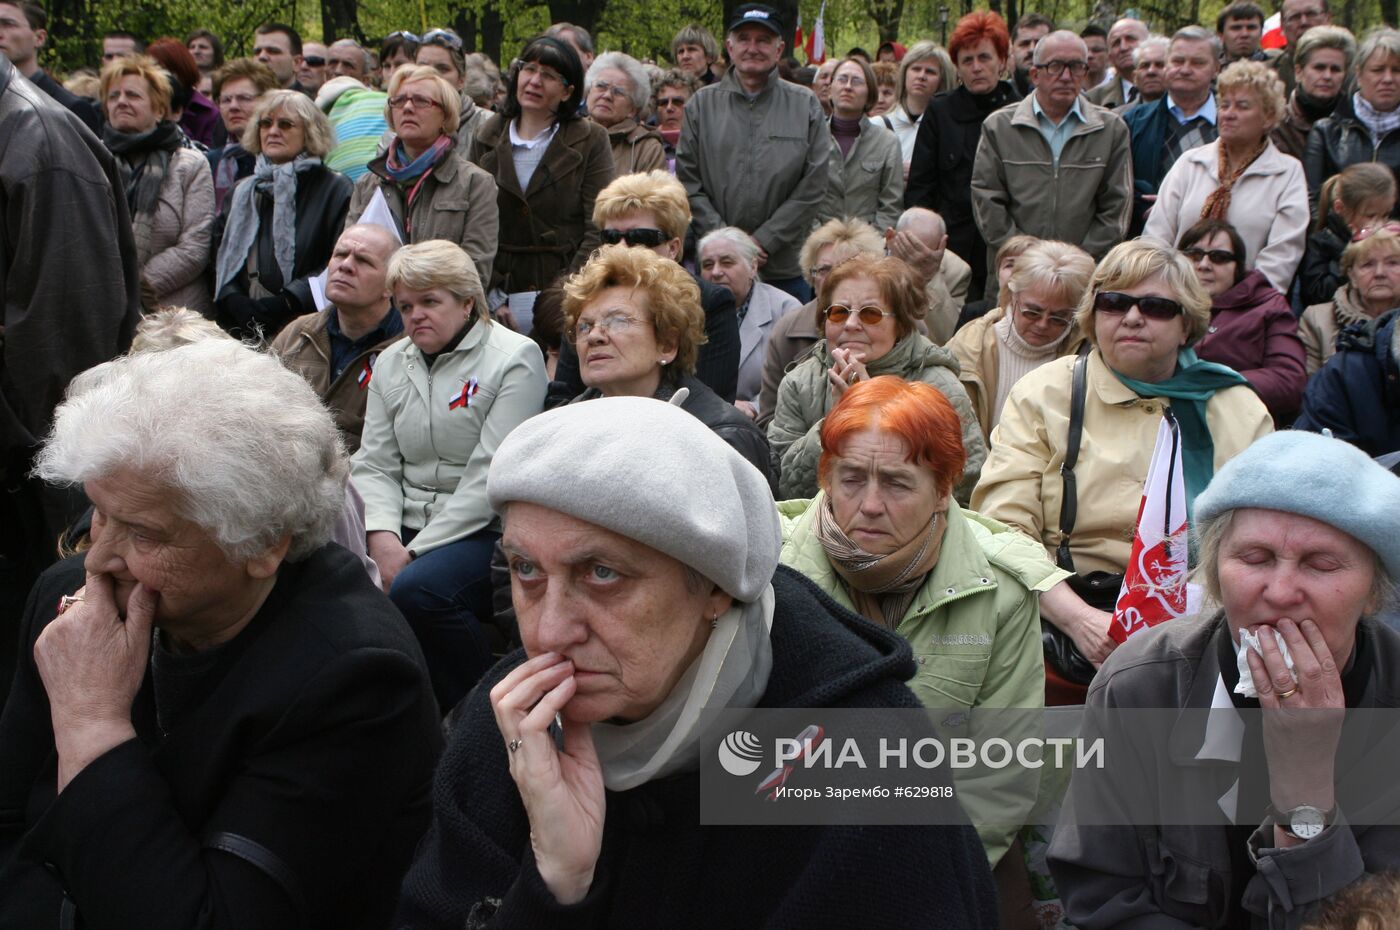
(1253, 331)
(200, 119)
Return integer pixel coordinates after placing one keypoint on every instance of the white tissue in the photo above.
(1250, 640)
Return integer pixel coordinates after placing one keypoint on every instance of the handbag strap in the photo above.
(1069, 499)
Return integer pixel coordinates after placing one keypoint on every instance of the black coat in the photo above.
(717, 364)
(84, 109)
(290, 793)
(658, 867)
(323, 199)
(1357, 393)
(1321, 272)
(940, 172)
(1340, 140)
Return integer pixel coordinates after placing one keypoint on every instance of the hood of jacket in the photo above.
(1253, 290)
(913, 353)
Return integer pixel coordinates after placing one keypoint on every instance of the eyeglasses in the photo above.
(612, 323)
(612, 90)
(1216, 256)
(282, 123)
(532, 70)
(240, 99)
(869, 315)
(315, 61)
(1035, 315)
(1057, 67)
(848, 80)
(442, 37)
(399, 101)
(646, 238)
(1154, 308)
(664, 102)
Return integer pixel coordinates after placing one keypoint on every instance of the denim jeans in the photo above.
(446, 596)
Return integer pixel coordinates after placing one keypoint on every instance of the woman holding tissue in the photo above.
(1296, 544)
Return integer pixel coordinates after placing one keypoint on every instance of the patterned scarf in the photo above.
(143, 159)
(882, 586)
(1217, 205)
(226, 174)
(399, 167)
(1379, 123)
(244, 218)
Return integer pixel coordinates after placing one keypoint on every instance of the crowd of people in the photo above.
(403, 451)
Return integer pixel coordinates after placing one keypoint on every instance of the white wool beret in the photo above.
(1314, 476)
(651, 472)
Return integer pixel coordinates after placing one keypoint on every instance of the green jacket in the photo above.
(804, 397)
(974, 628)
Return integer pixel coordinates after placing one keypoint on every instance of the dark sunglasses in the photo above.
(646, 238)
(662, 102)
(1216, 256)
(315, 61)
(1154, 308)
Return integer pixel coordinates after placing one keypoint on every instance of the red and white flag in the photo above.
(797, 39)
(1154, 585)
(816, 42)
(1273, 32)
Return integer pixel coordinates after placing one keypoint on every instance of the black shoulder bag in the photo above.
(1097, 589)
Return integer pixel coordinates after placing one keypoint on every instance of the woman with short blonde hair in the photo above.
(1230, 178)
(281, 223)
(169, 188)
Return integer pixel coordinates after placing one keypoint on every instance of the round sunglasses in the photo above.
(869, 315)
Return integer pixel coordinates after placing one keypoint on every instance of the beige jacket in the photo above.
(1321, 324)
(975, 348)
(868, 183)
(172, 244)
(1021, 483)
(457, 202)
(635, 149)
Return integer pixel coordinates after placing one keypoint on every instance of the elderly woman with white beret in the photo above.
(217, 720)
(647, 588)
(1297, 546)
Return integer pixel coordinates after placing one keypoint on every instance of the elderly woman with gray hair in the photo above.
(217, 721)
(729, 257)
(440, 402)
(1296, 545)
(280, 224)
(648, 591)
(617, 91)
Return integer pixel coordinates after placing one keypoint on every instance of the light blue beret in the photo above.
(651, 472)
(1314, 476)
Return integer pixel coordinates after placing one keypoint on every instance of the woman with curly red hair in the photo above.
(940, 174)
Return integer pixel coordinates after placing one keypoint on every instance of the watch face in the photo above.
(1306, 822)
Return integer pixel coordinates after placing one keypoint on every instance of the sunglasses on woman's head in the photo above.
(442, 37)
(869, 315)
(1216, 256)
(646, 238)
(1154, 308)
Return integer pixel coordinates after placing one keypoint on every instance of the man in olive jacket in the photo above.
(753, 150)
(71, 299)
(1054, 165)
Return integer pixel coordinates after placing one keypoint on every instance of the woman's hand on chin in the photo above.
(92, 662)
(562, 790)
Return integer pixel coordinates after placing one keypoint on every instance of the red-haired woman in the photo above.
(940, 173)
(884, 538)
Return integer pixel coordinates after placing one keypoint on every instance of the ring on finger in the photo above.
(68, 600)
(513, 745)
(1287, 694)
(851, 377)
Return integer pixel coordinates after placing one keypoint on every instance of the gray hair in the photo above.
(245, 445)
(1321, 37)
(636, 75)
(1059, 35)
(351, 43)
(1200, 34)
(1148, 44)
(912, 216)
(743, 243)
(1380, 39)
(319, 136)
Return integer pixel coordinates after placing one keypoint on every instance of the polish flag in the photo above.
(1154, 585)
(816, 42)
(797, 39)
(1273, 32)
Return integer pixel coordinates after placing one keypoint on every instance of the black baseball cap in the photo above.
(759, 14)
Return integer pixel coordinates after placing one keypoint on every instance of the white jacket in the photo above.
(423, 457)
(1269, 207)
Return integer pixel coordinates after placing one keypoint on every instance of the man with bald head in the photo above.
(1053, 166)
(1126, 35)
(920, 239)
(335, 349)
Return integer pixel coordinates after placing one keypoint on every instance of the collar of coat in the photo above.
(1270, 161)
(1092, 117)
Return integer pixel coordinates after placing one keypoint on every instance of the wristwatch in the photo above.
(1303, 822)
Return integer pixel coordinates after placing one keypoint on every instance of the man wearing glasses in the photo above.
(1054, 166)
(1298, 17)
